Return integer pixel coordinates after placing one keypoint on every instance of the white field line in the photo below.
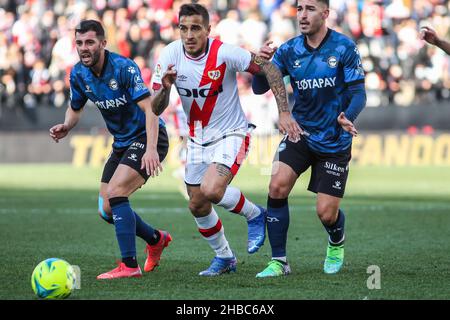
(401, 206)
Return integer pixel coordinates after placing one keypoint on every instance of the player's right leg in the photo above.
(211, 229)
(281, 183)
(227, 156)
(215, 186)
(291, 160)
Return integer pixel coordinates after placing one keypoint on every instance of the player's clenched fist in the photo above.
(266, 51)
(429, 35)
(169, 77)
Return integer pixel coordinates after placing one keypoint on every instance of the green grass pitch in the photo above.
(397, 219)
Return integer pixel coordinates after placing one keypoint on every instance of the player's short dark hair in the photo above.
(327, 2)
(91, 25)
(191, 9)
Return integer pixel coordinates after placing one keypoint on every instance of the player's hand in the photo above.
(169, 77)
(58, 132)
(346, 124)
(266, 51)
(150, 161)
(429, 35)
(288, 125)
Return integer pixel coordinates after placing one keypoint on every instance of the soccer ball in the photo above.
(53, 279)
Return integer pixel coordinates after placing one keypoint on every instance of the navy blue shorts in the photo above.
(132, 155)
(329, 171)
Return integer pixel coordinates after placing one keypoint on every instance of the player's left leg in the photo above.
(215, 187)
(328, 179)
(227, 157)
(211, 228)
(333, 219)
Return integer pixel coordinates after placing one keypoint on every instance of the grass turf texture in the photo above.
(397, 219)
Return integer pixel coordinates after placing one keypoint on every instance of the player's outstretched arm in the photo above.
(61, 130)
(150, 159)
(161, 97)
(286, 123)
(430, 36)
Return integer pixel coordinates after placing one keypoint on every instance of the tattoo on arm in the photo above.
(275, 79)
(160, 101)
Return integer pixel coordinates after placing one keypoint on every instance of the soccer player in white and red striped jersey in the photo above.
(203, 71)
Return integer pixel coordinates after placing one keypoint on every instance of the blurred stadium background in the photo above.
(398, 195)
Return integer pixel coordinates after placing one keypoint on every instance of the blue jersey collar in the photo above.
(311, 49)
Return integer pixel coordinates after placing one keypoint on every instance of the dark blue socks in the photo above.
(125, 224)
(145, 231)
(277, 225)
(336, 231)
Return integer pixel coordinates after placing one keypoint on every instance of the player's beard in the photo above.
(196, 53)
(94, 60)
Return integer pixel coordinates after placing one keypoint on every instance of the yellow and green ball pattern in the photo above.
(53, 279)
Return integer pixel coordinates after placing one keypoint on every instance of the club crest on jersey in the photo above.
(214, 74)
(158, 70)
(332, 62)
(113, 84)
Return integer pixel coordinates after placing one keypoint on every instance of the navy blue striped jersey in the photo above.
(319, 78)
(115, 93)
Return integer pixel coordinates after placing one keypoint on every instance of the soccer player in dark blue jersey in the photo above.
(326, 75)
(114, 84)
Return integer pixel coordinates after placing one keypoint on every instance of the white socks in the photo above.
(234, 201)
(212, 231)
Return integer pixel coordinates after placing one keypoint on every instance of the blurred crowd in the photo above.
(37, 43)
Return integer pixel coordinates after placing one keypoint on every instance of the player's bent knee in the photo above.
(193, 207)
(115, 191)
(212, 193)
(103, 213)
(327, 214)
(278, 191)
(199, 209)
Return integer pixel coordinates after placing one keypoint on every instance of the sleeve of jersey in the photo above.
(237, 58)
(259, 82)
(132, 80)
(353, 70)
(77, 97)
(357, 101)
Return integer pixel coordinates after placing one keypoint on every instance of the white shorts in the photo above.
(229, 151)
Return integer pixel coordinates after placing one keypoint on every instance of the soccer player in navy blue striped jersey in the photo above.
(327, 78)
(114, 84)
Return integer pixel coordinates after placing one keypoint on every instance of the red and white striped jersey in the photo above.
(207, 86)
